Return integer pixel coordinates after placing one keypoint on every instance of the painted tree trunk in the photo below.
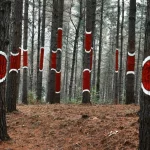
(5, 8)
(59, 50)
(50, 97)
(131, 55)
(25, 55)
(144, 129)
(13, 76)
(86, 58)
(117, 50)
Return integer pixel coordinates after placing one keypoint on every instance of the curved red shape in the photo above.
(86, 80)
(14, 62)
(146, 75)
(130, 63)
(117, 54)
(41, 59)
(3, 67)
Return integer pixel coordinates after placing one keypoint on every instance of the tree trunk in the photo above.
(131, 55)
(39, 82)
(32, 46)
(144, 129)
(25, 43)
(87, 53)
(121, 54)
(13, 76)
(50, 97)
(74, 51)
(117, 50)
(100, 53)
(5, 8)
(59, 50)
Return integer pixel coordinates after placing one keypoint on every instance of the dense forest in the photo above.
(72, 52)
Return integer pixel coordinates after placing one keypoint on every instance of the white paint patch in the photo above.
(144, 90)
(131, 54)
(86, 90)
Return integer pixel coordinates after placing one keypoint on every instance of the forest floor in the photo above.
(73, 127)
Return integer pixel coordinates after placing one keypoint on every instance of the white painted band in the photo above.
(145, 60)
(130, 72)
(144, 90)
(86, 90)
(14, 54)
(59, 28)
(88, 51)
(25, 50)
(116, 71)
(25, 67)
(57, 92)
(42, 47)
(41, 70)
(3, 79)
(54, 51)
(88, 32)
(11, 70)
(4, 54)
(59, 49)
(52, 69)
(86, 70)
(131, 54)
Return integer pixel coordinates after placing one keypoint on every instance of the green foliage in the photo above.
(31, 97)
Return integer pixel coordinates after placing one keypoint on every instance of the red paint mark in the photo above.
(91, 58)
(59, 38)
(53, 60)
(146, 75)
(58, 82)
(86, 80)
(14, 62)
(117, 54)
(130, 63)
(41, 59)
(88, 41)
(25, 58)
(3, 67)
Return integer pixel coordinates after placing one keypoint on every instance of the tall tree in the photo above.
(13, 76)
(50, 97)
(32, 45)
(87, 53)
(121, 54)
(100, 52)
(5, 8)
(144, 130)
(25, 44)
(40, 64)
(77, 29)
(117, 51)
(59, 50)
(131, 54)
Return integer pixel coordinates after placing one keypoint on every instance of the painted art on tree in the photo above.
(25, 58)
(3, 66)
(41, 59)
(14, 59)
(117, 54)
(130, 63)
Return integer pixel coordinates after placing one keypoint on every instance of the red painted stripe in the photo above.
(88, 41)
(14, 62)
(117, 54)
(130, 63)
(41, 59)
(25, 58)
(3, 66)
(86, 80)
(146, 75)
(53, 60)
(58, 81)
(59, 38)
